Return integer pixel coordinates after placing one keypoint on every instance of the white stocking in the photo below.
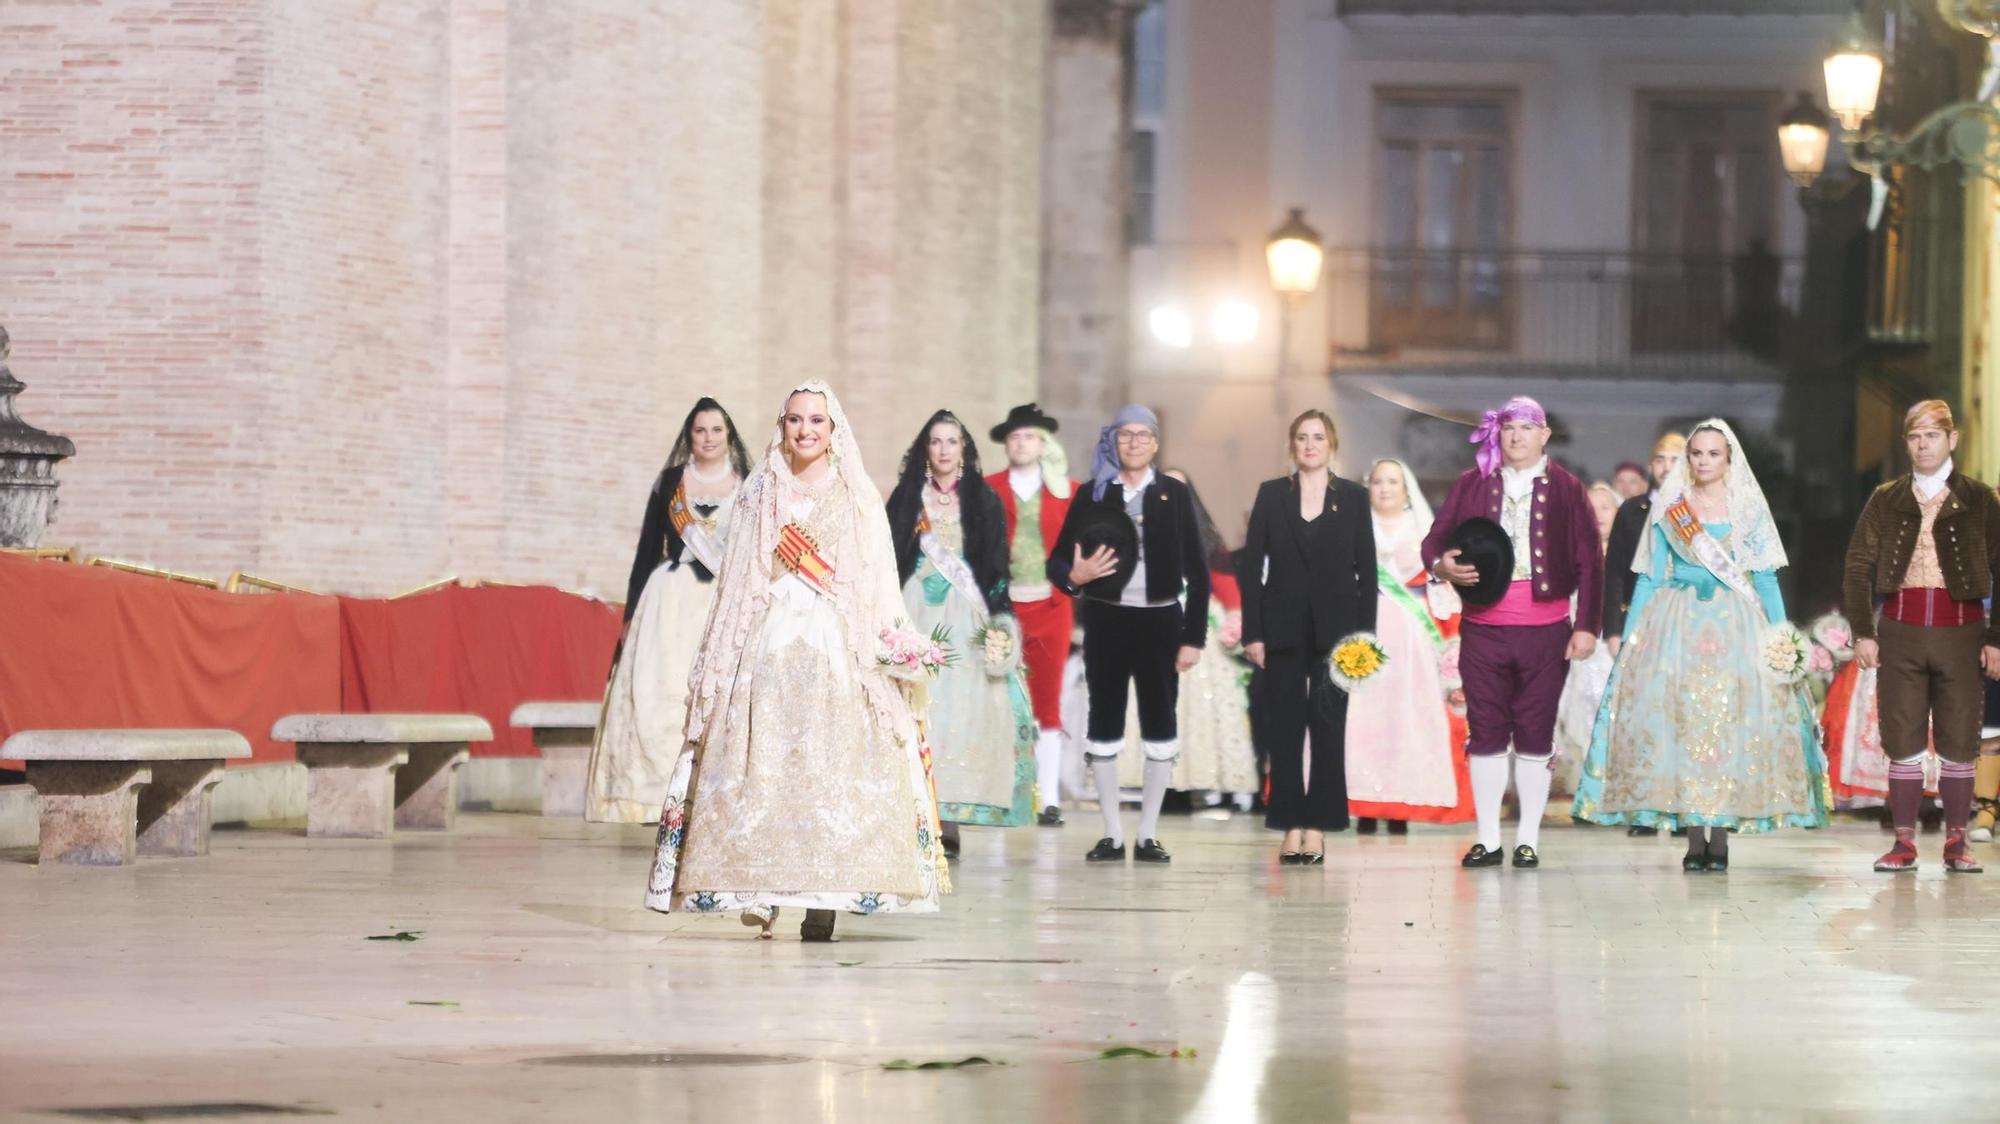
(1105, 769)
(1532, 776)
(1489, 787)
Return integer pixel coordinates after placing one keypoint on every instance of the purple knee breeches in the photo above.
(1513, 682)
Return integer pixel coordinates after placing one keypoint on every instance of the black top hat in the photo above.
(1029, 416)
(1483, 544)
(1101, 525)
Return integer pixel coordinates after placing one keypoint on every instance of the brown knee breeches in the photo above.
(1930, 676)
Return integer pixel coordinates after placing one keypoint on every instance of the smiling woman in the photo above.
(792, 712)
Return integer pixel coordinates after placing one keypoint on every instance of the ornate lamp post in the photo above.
(28, 459)
(1965, 133)
(1296, 257)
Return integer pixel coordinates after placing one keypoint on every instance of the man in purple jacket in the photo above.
(1514, 653)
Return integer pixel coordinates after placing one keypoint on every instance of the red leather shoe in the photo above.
(1901, 857)
(1958, 856)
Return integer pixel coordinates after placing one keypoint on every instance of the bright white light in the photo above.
(1171, 327)
(1233, 323)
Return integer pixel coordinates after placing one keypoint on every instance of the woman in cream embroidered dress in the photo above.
(666, 605)
(803, 781)
(1405, 750)
(951, 551)
(1694, 732)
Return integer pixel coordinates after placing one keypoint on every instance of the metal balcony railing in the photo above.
(1611, 314)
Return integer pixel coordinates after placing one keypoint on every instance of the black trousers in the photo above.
(1123, 647)
(1300, 698)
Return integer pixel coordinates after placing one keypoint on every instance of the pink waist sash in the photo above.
(1518, 607)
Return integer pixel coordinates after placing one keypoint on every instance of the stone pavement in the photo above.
(1387, 985)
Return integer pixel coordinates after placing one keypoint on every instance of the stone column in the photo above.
(28, 459)
(1086, 192)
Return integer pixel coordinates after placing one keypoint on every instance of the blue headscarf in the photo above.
(1104, 469)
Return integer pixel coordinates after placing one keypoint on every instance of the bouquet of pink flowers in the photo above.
(1832, 632)
(907, 651)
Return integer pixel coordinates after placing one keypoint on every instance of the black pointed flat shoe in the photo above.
(1050, 816)
(1525, 858)
(1106, 852)
(1312, 858)
(1288, 858)
(1480, 856)
(1150, 851)
(1694, 863)
(1717, 864)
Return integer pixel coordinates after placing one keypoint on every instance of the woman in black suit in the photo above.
(1308, 578)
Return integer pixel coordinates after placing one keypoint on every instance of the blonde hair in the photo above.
(1931, 413)
(1670, 443)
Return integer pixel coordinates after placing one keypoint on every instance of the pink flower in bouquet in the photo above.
(1820, 662)
(1448, 672)
(1838, 636)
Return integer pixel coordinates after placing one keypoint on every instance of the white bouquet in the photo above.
(1787, 652)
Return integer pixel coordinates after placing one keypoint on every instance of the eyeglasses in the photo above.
(1140, 438)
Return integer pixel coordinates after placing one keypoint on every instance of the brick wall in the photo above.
(358, 294)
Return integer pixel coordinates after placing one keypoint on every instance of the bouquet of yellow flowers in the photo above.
(1358, 658)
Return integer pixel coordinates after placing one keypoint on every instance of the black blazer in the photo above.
(1628, 530)
(658, 541)
(1335, 589)
(1173, 550)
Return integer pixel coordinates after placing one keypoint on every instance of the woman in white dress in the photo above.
(1405, 751)
(666, 604)
(950, 531)
(803, 781)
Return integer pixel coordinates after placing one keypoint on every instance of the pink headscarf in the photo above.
(1487, 436)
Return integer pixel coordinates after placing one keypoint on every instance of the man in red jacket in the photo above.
(1035, 489)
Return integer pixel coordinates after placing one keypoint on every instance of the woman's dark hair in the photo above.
(979, 508)
(739, 457)
(1212, 546)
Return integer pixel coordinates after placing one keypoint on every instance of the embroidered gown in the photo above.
(1214, 709)
(1692, 730)
(800, 793)
(981, 727)
(645, 704)
(1405, 749)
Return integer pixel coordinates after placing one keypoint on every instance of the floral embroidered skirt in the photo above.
(1692, 730)
(800, 794)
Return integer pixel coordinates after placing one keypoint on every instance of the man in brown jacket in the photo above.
(1929, 545)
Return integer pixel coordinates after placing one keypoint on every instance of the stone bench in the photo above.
(564, 732)
(369, 774)
(108, 796)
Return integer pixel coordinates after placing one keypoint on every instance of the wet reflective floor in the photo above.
(520, 979)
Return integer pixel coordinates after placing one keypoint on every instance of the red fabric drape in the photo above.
(475, 651)
(83, 647)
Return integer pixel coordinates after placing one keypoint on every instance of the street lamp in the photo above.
(1854, 74)
(1294, 254)
(1802, 138)
(1965, 133)
(1296, 257)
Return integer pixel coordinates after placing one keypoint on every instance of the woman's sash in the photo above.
(693, 530)
(1407, 601)
(801, 556)
(1684, 529)
(951, 565)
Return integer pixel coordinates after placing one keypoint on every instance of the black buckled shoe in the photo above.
(1106, 852)
(1525, 858)
(1150, 851)
(1480, 856)
(1050, 816)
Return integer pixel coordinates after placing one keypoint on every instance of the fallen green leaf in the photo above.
(848, 963)
(400, 935)
(1142, 1052)
(433, 1002)
(904, 1063)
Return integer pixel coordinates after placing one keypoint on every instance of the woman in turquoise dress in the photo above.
(950, 531)
(1695, 731)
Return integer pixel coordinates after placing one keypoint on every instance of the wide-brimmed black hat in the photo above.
(1101, 525)
(1029, 416)
(1483, 544)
